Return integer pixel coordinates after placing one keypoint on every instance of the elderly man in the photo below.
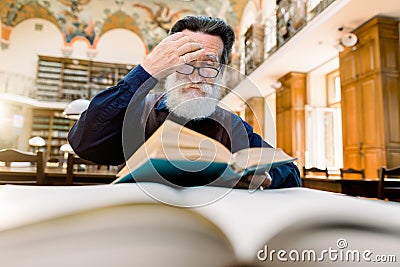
(191, 59)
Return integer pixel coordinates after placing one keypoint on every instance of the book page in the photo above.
(259, 156)
(173, 141)
(251, 221)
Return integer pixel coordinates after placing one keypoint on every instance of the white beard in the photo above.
(194, 104)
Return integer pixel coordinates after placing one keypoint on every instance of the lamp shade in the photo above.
(74, 109)
(66, 148)
(349, 39)
(36, 141)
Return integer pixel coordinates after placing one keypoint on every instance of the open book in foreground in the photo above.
(182, 156)
(123, 225)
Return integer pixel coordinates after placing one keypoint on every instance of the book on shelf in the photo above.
(181, 156)
(123, 225)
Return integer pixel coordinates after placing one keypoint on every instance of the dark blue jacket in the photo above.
(128, 112)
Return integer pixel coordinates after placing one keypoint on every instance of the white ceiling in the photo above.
(313, 45)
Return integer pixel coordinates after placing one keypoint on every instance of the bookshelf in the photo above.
(53, 128)
(61, 79)
(48, 80)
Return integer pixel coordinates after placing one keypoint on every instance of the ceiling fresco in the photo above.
(87, 20)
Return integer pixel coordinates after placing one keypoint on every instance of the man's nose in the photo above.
(195, 77)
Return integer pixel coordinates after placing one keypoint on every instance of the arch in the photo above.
(238, 8)
(27, 43)
(13, 15)
(121, 45)
(249, 16)
(28, 11)
(121, 20)
(77, 38)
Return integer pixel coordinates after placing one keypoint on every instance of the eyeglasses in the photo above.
(205, 70)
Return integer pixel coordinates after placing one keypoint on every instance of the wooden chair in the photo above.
(385, 189)
(81, 178)
(315, 170)
(13, 155)
(352, 171)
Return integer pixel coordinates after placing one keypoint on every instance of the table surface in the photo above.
(56, 176)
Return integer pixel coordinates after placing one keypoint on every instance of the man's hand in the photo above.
(255, 181)
(171, 52)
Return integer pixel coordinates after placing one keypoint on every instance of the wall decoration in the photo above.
(14, 12)
(157, 22)
(87, 20)
(74, 23)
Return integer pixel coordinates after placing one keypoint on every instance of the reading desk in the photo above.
(56, 176)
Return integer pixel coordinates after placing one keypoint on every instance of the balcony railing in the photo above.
(293, 16)
(289, 17)
(18, 84)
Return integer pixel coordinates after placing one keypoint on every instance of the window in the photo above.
(324, 129)
(333, 89)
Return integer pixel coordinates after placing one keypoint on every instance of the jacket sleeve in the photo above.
(284, 176)
(97, 135)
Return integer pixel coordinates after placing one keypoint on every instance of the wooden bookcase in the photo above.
(255, 114)
(290, 115)
(62, 79)
(254, 47)
(370, 82)
(53, 127)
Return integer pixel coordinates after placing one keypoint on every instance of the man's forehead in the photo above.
(212, 44)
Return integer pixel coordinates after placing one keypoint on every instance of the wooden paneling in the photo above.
(366, 57)
(254, 114)
(391, 100)
(354, 156)
(284, 131)
(290, 116)
(348, 68)
(351, 122)
(373, 159)
(371, 112)
(370, 97)
(390, 54)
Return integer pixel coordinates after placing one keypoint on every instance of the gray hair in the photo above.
(208, 25)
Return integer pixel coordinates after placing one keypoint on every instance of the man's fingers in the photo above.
(182, 40)
(194, 55)
(175, 36)
(258, 180)
(189, 47)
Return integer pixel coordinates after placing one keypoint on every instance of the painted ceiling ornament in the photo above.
(163, 17)
(9, 12)
(14, 12)
(74, 5)
(73, 23)
(159, 22)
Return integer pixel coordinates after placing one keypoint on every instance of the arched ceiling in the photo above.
(89, 19)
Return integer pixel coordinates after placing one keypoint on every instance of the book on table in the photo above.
(124, 225)
(176, 153)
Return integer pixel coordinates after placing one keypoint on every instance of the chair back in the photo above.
(388, 189)
(315, 170)
(9, 155)
(352, 171)
(75, 177)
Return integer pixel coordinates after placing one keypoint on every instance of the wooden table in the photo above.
(56, 176)
(352, 187)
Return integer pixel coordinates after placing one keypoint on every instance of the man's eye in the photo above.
(211, 64)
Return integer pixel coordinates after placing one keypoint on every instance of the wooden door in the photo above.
(352, 126)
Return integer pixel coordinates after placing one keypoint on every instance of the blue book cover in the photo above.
(190, 173)
(176, 155)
